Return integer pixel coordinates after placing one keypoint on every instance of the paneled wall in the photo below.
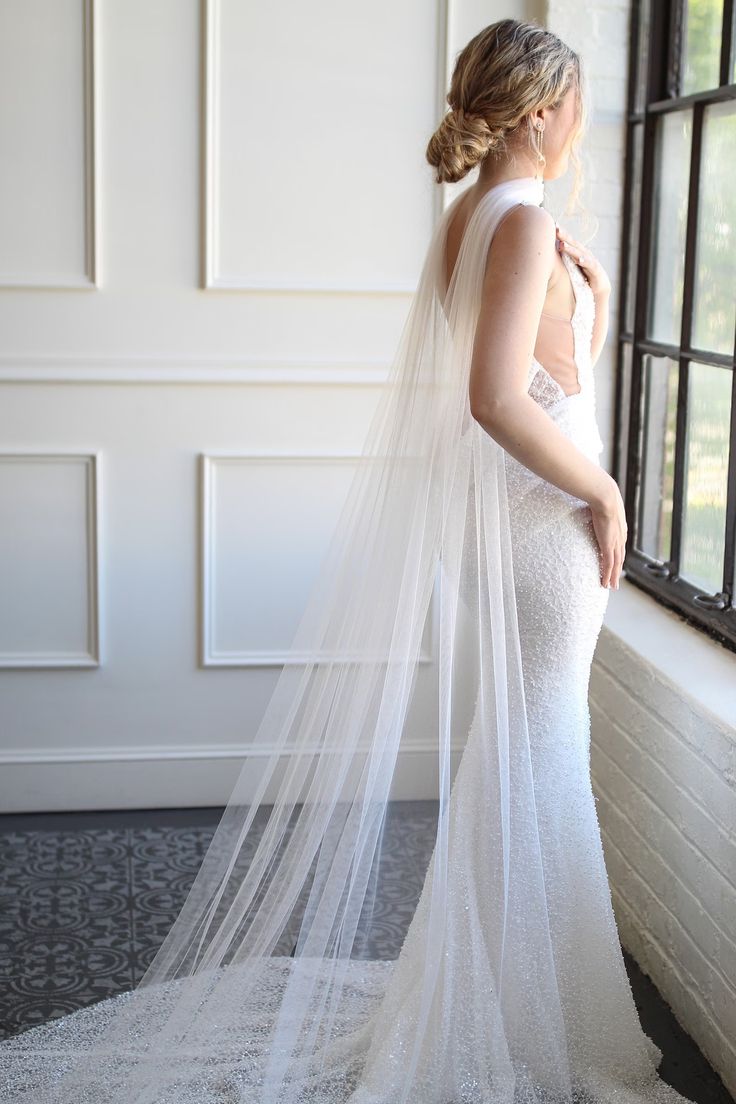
(213, 218)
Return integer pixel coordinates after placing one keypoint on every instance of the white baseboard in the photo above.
(164, 778)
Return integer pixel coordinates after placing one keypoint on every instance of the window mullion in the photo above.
(729, 556)
(629, 199)
(686, 329)
(727, 41)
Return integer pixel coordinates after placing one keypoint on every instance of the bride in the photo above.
(480, 508)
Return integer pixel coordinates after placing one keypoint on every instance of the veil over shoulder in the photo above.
(265, 989)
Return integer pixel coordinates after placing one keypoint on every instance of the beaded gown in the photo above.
(561, 1026)
(561, 605)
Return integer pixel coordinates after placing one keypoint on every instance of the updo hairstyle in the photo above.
(503, 74)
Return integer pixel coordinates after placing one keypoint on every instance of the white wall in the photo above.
(663, 695)
(212, 218)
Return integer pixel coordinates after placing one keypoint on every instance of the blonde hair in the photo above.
(503, 74)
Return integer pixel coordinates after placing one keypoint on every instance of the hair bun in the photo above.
(507, 71)
(461, 140)
(470, 121)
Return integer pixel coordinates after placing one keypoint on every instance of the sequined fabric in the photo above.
(560, 608)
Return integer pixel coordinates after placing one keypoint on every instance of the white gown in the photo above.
(562, 1028)
(561, 605)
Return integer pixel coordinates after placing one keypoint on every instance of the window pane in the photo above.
(714, 305)
(709, 412)
(625, 370)
(659, 398)
(641, 58)
(702, 54)
(633, 250)
(672, 161)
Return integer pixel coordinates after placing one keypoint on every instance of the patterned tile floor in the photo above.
(86, 899)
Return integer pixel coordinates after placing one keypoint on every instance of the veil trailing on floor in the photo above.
(266, 986)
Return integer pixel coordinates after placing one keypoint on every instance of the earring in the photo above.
(540, 156)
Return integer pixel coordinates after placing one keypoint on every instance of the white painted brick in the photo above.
(688, 1011)
(669, 767)
(666, 881)
(662, 767)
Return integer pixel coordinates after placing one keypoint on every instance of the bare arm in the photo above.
(517, 274)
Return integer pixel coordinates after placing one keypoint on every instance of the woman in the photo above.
(482, 487)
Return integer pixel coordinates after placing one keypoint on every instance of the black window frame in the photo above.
(654, 84)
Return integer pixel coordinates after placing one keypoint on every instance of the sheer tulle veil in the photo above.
(265, 988)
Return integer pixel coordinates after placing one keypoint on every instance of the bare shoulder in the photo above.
(525, 229)
(524, 241)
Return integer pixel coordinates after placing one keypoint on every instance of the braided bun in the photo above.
(461, 140)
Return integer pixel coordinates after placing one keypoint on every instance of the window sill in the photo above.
(698, 666)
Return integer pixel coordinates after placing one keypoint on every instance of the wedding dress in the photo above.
(510, 987)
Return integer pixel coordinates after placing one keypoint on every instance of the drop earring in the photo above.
(540, 156)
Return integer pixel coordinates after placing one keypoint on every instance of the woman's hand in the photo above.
(594, 270)
(609, 523)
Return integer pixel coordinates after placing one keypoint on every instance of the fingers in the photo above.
(576, 252)
(618, 562)
(571, 246)
(611, 564)
(611, 535)
(606, 567)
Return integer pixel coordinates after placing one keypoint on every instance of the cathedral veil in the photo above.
(266, 987)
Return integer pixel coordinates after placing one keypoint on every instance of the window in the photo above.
(675, 427)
